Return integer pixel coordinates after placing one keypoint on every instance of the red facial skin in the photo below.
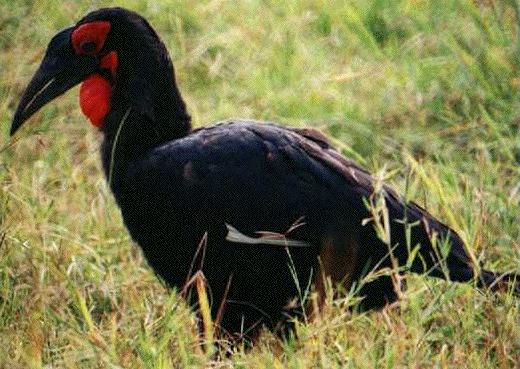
(93, 32)
(110, 62)
(96, 91)
(94, 99)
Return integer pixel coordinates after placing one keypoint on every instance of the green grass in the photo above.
(424, 90)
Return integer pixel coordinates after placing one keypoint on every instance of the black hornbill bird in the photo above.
(261, 211)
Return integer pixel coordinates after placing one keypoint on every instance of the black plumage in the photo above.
(182, 190)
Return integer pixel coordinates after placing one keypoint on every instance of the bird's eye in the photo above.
(89, 38)
(88, 47)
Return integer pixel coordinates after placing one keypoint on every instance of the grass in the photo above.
(424, 91)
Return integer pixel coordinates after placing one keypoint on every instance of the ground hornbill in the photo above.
(261, 211)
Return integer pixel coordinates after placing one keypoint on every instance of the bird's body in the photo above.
(178, 199)
(198, 200)
(254, 177)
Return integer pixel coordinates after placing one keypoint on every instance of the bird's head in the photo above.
(112, 51)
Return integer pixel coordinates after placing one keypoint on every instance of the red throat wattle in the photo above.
(96, 91)
(94, 98)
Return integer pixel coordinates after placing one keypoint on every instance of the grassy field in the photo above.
(425, 92)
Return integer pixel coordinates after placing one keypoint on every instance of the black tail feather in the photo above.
(499, 282)
(456, 265)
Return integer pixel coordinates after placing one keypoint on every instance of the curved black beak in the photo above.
(60, 70)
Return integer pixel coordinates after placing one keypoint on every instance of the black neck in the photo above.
(147, 108)
(147, 86)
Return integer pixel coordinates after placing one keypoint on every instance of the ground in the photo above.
(426, 94)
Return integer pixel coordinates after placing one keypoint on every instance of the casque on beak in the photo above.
(60, 70)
